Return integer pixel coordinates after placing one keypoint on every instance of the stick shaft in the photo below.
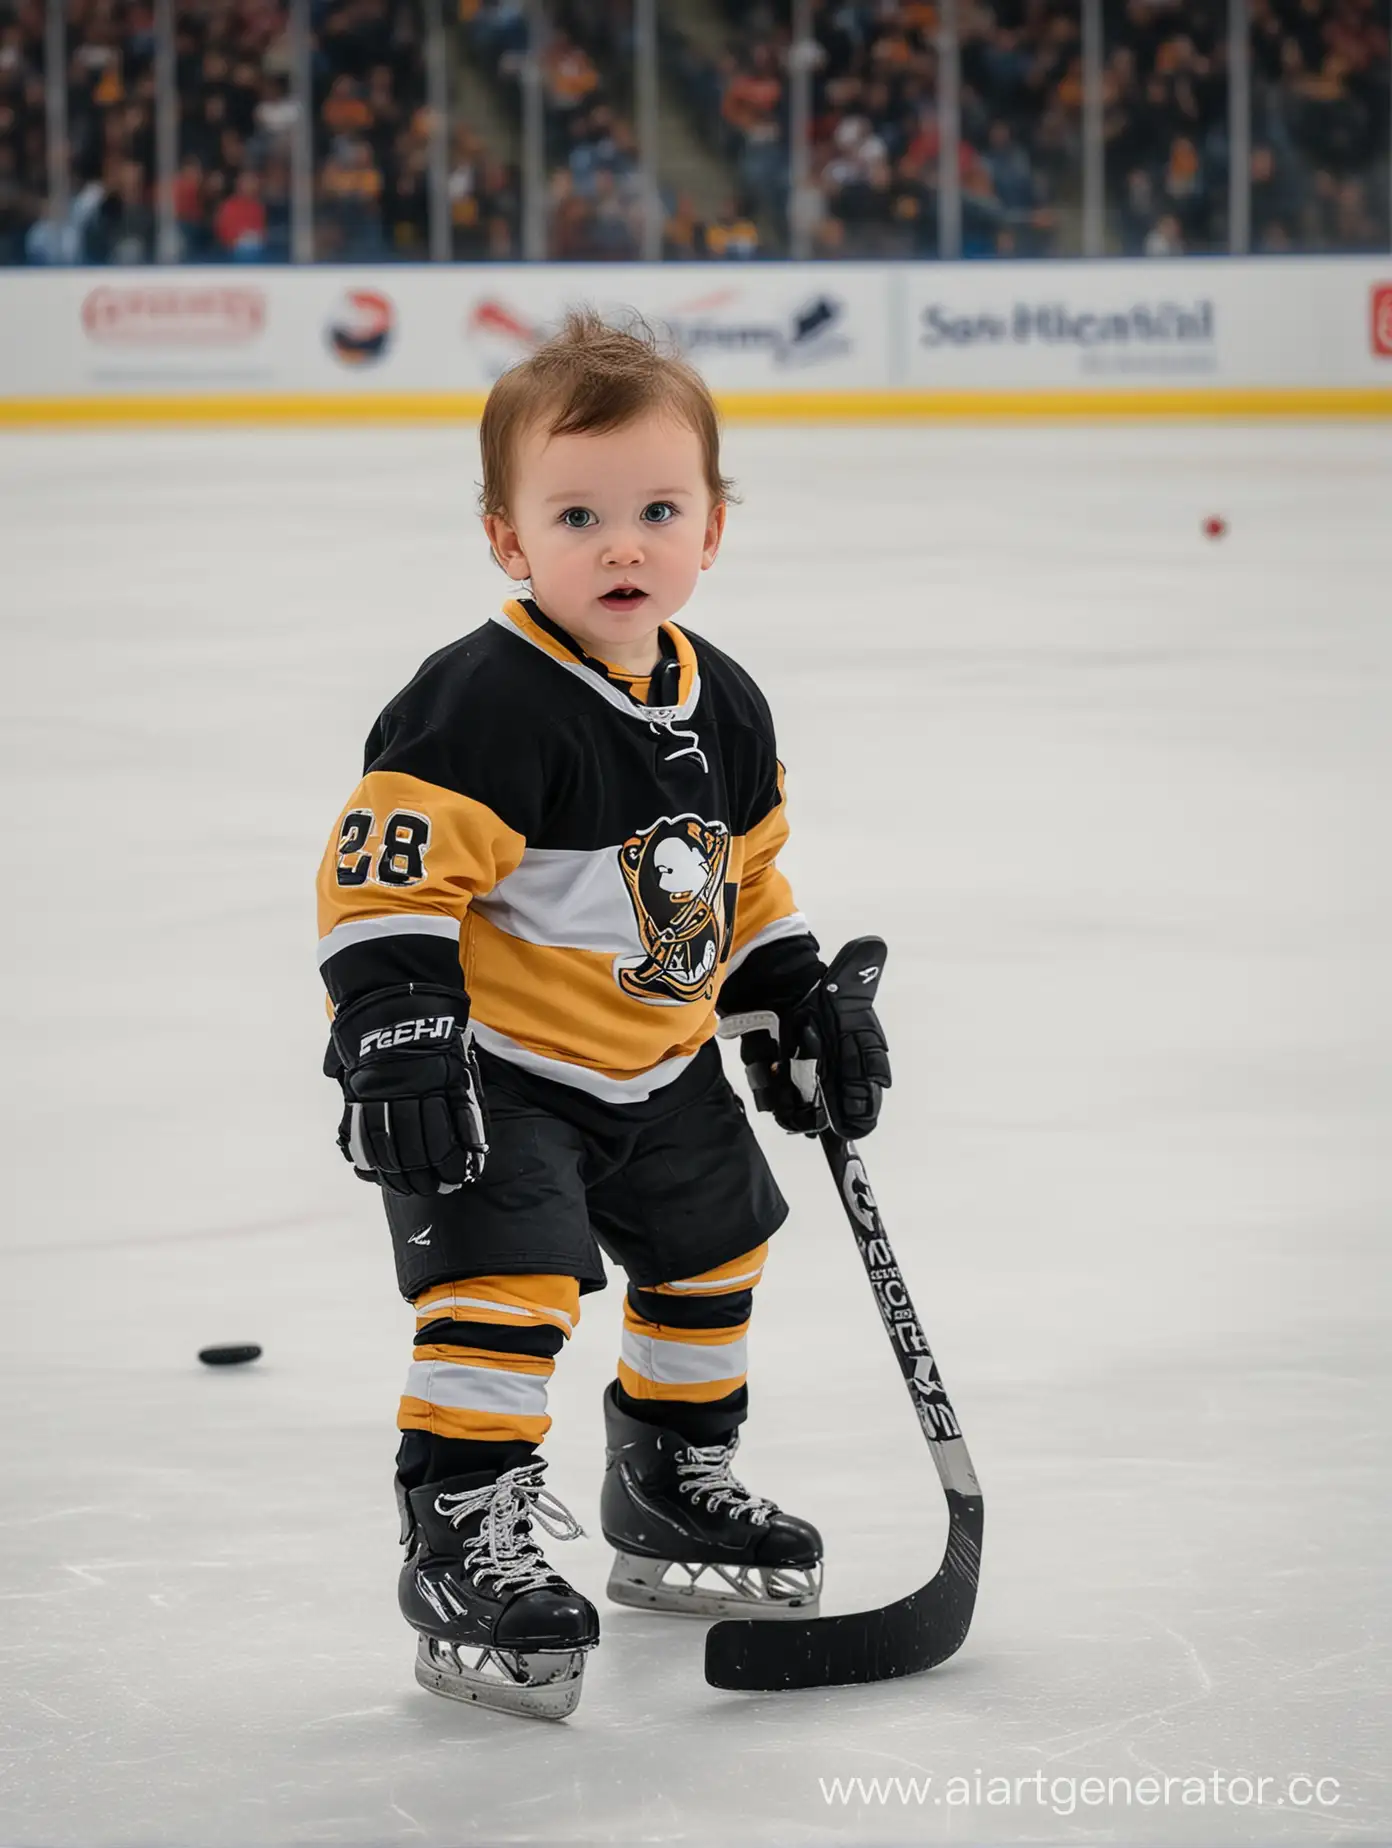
(932, 1407)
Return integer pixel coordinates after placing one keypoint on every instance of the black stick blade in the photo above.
(882, 1645)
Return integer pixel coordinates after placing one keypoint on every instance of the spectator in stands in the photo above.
(568, 219)
(483, 202)
(350, 190)
(865, 206)
(733, 232)
(916, 206)
(274, 117)
(614, 229)
(240, 225)
(407, 207)
(19, 208)
(568, 76)
(465, 191)
(497, 30)
(203, 137)
(127, 217)
(190, 217)
(684, 234)
(983, 219)
(346, 111)
(275, 196)
(1165, 237)
(753, 110)
(593, 149)
(1275, 204)
(504, 211)
(1012, 176)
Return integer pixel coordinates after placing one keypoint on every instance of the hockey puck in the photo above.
(229, 1356)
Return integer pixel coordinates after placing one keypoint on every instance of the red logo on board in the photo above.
(1382, 320)
(174, 314)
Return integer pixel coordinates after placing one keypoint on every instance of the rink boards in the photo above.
(915, 341)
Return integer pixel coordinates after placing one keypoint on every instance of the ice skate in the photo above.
(692, 1540)
(497, 1625)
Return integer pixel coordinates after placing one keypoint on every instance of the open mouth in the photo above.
(626, 597)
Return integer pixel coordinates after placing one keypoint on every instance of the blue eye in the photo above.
(659, 513)
(576, 518)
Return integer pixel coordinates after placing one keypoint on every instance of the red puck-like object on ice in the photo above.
(1214, 526)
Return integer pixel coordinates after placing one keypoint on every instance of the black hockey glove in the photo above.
(412, 1100)
(829, 1064)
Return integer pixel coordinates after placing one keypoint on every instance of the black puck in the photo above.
(229, 1356)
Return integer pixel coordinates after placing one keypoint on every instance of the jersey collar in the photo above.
(525, 618)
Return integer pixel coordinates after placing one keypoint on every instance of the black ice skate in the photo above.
(497, 1625)
(691, 1539)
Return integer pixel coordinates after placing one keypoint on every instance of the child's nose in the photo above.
(624, 548)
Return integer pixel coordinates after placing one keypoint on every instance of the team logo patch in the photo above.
(675, 873)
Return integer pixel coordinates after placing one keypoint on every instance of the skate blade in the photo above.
(533, 1687)
(676, 1588)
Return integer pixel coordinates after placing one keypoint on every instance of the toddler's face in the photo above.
(613, 528)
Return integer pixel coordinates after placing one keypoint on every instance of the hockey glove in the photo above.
(829, 1064)
(412, 1100)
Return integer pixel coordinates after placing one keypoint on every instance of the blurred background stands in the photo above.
(133, 130)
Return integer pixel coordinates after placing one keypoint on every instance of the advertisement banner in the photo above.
(782, 328)
(1305, 323)
(806, 340)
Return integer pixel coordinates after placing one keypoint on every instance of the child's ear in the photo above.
(507, 547)
(715, 532)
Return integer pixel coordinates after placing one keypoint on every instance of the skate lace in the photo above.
(703, 1470)
(503, 1548)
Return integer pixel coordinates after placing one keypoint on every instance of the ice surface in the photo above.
(1118, 798)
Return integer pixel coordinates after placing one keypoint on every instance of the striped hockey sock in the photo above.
(485, 1351)
(685, 1353)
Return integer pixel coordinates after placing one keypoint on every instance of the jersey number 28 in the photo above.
(400, 861)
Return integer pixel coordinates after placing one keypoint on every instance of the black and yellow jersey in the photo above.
(596, 865)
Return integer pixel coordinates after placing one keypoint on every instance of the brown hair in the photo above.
(591, 376)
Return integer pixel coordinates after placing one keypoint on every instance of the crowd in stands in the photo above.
(232, 189)
(370, 137)
(23, 126)
(594, 190)
(1320, 98)
(1320, 92)
(875, 125)
(1165, 126)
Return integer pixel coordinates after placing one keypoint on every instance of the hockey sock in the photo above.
(485, 1350)
(421, 1458)
(712, 1423)
(684, 1357)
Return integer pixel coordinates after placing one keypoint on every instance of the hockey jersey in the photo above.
(595, 852)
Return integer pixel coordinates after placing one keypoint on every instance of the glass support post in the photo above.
(56, 112)
(302, 136)
(646, 97)
(166, 134)
(1239, 129)
(949, 133)
(534, 138)
(802, 61)
(1094, 145)
(437, 83)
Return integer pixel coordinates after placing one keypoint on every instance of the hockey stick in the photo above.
(930, 1624)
